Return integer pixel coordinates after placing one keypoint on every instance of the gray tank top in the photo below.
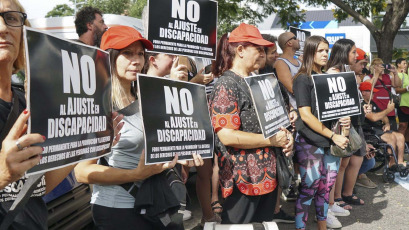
(293, 70)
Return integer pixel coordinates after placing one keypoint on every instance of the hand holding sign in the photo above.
(197, 161)
(390, 106)
(14, 162)
(146, 171)
(283, 139)
(178, 72)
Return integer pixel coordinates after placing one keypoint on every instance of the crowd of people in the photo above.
(239, 185)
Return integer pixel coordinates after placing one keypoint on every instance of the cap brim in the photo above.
(148, 44)
(262, 42)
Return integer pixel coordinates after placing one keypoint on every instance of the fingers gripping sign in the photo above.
(17, 153)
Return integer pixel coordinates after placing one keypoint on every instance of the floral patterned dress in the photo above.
(252, 170)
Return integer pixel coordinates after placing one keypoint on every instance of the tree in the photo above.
(384, 33)
(60, 11)
(110, 6)
(392, 14)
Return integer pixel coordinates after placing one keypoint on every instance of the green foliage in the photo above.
(136, 8)
(400, 53)
(60, 11)
(110, 6)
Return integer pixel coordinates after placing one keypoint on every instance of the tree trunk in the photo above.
(384, 45)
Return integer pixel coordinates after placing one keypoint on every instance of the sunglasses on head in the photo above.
(295, 38)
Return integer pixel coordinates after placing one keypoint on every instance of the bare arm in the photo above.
(246, 140)
(317, 126)
(90, 172)
(54, 178)
(284, 75)
(382, 114)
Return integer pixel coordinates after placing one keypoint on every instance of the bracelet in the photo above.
(292, 110)
(332, 135)
(407, 88)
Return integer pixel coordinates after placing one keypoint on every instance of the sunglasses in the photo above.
(295, 38)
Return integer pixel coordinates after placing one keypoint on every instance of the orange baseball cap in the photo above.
(119, 37)
(248, 33)
(366, 86)
(361, 55)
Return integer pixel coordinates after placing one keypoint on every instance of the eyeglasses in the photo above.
(295, 38)
(14, 18)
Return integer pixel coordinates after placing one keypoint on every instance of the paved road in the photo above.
(386, 207)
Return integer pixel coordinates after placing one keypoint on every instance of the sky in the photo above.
(39, 8)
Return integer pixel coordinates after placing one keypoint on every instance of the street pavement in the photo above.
(386, 207)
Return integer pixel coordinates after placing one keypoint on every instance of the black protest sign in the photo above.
(69, 99)
(337, 95)
(176, 119)
(183, 27)
(269, 102)
(301, 35)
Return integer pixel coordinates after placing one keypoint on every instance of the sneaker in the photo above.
(291, 195)
(187, 215)
(282, 217)
(338, 211)
(332, 221)
(365, 182)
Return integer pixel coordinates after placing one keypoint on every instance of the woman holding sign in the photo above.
(18, 151)
(344, 53)
(317, 165)
(120, 176)
(246, 160)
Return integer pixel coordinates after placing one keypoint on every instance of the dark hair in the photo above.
(399, 60)
(340, 54)
(147, 56)
(225, 54)
(83, 17)
(269, 38)
(310, 48)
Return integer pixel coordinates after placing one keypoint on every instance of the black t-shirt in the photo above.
(34, 214)
(304, 93)
(368, 123)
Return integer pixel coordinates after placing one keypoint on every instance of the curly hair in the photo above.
(84, 16)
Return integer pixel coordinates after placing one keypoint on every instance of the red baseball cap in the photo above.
(248, 33)
(361, 55)
(366, 86)
(119, 37)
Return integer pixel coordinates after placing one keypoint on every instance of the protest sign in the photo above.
(337, 95)
(68, 95)
(302, 35)
(183, 27)
(269, 102)
(176, 119)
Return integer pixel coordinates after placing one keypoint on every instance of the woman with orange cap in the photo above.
(122, 172)
(246, 160)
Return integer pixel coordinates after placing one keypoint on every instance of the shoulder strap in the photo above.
(11, 119)
(21, 200)
(130, 187)
(384, 86)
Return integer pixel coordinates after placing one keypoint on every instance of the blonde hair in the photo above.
(119, 96)
(20, 62)
(375, 61)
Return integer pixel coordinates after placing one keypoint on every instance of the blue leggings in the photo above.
(318, 171)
